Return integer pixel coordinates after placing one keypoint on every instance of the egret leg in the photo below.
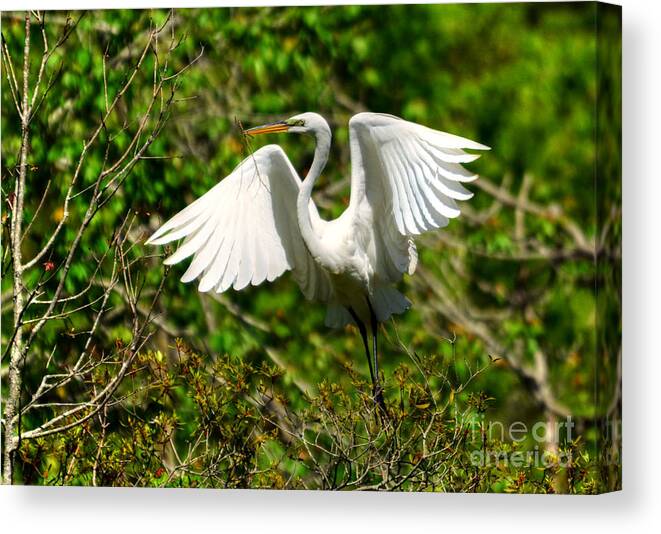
(363, 334)
(378, 391)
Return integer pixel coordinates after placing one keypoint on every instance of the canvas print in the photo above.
(323, 248)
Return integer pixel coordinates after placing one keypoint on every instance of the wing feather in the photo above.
(411, 174)
(244, 230)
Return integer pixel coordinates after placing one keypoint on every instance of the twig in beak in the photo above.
(246, 140)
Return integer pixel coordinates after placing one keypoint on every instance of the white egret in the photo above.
(260, 221)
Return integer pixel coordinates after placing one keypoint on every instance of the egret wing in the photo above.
(410, 169)
(245, 230)
(411, 174)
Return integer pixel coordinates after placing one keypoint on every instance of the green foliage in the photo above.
(240, 432)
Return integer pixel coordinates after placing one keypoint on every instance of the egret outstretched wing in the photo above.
(412, 175)
(244, 230)
(412, 170)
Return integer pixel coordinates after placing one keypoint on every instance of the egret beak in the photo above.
(274, 127)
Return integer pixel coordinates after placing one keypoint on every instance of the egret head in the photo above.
(305, 123)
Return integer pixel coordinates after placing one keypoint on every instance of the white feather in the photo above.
(232, 234)
(408, 177)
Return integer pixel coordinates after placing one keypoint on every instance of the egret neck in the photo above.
(304, 205)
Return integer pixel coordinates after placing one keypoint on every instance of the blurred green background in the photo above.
(507, 284)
